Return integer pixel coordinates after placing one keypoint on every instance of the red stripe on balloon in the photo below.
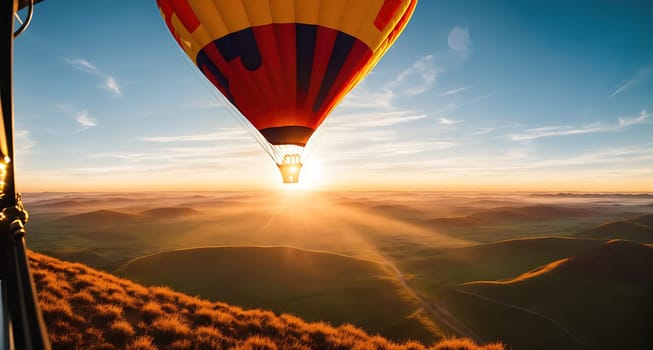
(286, 36)
(267, 96)
(403, 21)
(167, 11)
(185, 14)
(358, 57)
(245, 95)
(326, 37)
(386, 13)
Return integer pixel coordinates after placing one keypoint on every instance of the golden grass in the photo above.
(88, 309)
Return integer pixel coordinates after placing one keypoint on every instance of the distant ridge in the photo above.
(510, 214)
(532, 212)
(638, 229)
(101, 217)
(592, 195)
(87, 309)
(170, 212)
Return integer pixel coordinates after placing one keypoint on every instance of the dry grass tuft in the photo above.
(87, 309)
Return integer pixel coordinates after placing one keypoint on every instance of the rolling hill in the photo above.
(170, 212)
(638, 229)
(490, 261)
(314, 285)
(88, 309)
(100, 217)
(573, 301)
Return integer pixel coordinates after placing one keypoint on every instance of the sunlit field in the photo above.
(406, 265)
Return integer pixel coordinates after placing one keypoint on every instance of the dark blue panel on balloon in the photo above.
(305, 39)
(205, 64)
(341, 48)
(240, 44)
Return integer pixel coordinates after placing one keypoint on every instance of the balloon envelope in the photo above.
(285, 64)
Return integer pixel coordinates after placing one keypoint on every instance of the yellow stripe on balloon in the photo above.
(258, 11)
(331, 13)
(307, 12)
(233, 15)
(223, 17)
(283, 11)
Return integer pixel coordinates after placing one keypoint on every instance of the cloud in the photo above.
(417, 79)
(604, 156)
(641, 75)
(548, 131)
(108, 82)
(446, 121)
(628, 121)
(459, 40)
(373, 119)
(224, 134)
(563, 130)
(454, 91)
(84, 120)
(83, 65)
(24, 142)
(111, 84)
(361, 97)
(482, 131)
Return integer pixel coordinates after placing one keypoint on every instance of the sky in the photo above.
(474, 95)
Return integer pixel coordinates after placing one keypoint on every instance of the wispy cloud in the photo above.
(108, 81)
(548, 131)
(640, 76)
(564, 130)
(111, 84)
(459, 41)
(417, 79)
(628, 121)
(85, 120)
(373, 119)
(482, 131)
(224, 134)
(24, 142)
(447, 121)
(363, 97)
(83, 65)
(454, 91)
(598, 157)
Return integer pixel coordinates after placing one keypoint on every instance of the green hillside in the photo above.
(638, 229)
(600, 298)
(493, 261)
(313, 285)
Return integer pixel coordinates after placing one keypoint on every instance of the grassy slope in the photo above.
(87, 309)
(638, 229)
(314, 285)
(492, 261)
(600, 296)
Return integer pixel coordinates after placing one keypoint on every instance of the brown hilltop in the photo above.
(88, 309)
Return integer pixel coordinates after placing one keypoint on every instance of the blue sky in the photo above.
(506, 95)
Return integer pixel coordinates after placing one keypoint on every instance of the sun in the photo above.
(310, 178)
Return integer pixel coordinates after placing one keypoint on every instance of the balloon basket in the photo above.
(290, 172)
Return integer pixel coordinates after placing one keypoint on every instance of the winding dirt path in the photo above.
(438, 310)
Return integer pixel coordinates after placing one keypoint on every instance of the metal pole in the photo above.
(6, 94)
(22, 323)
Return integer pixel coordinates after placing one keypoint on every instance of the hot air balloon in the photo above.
(285, 64)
